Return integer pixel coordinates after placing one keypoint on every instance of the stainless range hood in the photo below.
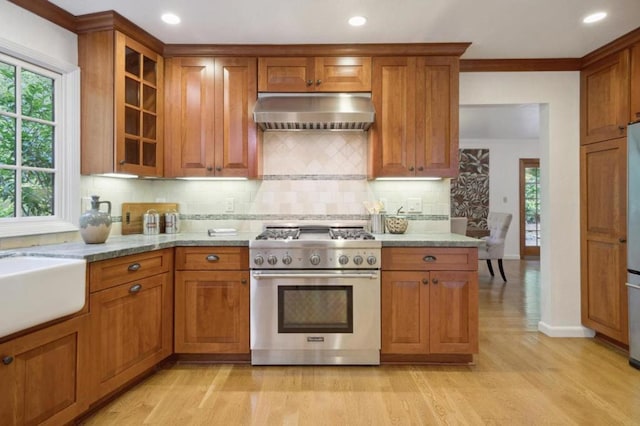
(314, 111)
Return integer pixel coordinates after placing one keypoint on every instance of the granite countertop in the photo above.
(123, 245)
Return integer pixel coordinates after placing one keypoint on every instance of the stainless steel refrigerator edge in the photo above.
(633, 241)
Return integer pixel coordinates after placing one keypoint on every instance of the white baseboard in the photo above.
(565, 331)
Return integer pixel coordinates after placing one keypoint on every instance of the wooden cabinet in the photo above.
(429, 303)
(604, 99)
(209, 117)
(319, 74)
(635, 83)
(122, 105)
(212, 300)
(43, 375)
(603, 229)
(416, 129)
(131, 317)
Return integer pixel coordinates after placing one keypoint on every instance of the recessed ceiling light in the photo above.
(171, 18)
(594, 17)
(357, 21)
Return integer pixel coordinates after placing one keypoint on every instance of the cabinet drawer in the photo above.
(430, 259)
(212, 258)
(113, 272)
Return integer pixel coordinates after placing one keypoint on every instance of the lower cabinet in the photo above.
(212, 300)
(131, 322)
(426, 311)
(42, 375)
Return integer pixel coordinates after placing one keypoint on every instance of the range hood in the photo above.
(314, 111)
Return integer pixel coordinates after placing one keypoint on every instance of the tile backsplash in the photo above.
(308, 176)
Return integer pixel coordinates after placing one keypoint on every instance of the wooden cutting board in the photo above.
(132, 215)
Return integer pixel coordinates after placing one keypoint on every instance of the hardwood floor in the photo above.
(520, 377)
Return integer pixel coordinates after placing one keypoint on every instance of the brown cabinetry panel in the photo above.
(635, 83)
(108, 273)
(604, 99)
(212, 258)
(320, 74)
(603, 228)
(44, 375)
(209, 124)
(429, 259)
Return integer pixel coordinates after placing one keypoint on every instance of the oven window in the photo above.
(315, 309)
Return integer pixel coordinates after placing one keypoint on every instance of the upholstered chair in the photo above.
(459, 225)
(498, 224)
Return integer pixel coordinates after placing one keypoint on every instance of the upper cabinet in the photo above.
(319, 74)
(416, 129)
(209, 117)
(122, 82)
(635, 83)
(604, 98)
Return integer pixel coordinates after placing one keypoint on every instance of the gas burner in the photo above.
(279, 234)
(350, 234)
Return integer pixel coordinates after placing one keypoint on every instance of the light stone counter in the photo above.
(123, 245)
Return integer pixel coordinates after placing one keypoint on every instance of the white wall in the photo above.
(559, 96)
(504, 190)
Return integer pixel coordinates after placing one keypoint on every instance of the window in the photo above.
(39, 143)
(529, 207)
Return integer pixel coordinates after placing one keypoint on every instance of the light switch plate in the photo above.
(414, 205)
(228, 205)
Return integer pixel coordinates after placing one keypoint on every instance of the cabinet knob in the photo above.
(309, 82)
(435, 281)
(243, 281)
(7, 360)
(318, 82)
(135, 288)
(420, 168)
(134, 267)
(425, 281)
(411, 169)
(621, 128)
(218, 169)
(209, 168)
(622, 240)
(121, 162)
(212, 258)
(429, 258)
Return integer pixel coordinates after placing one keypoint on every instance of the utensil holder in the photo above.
(377, 223)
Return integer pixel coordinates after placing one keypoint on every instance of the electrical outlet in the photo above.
(414, 205)
(228, 205)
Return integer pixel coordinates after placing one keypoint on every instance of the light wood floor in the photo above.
(520, 377)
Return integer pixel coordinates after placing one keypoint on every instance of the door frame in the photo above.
(526, 251)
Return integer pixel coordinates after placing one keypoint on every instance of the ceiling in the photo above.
(497, 29)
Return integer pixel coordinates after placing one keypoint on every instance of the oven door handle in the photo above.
(261, 275)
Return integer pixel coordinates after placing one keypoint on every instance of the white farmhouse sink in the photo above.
(34, 290)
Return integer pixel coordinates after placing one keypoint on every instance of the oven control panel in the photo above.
(314, 258)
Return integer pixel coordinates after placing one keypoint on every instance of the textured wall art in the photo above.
(470, 190)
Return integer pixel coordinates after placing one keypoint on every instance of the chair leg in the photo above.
(501, 270)
(490, 266)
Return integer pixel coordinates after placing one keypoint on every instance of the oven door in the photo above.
(315, 317)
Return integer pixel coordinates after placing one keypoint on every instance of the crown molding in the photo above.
(616, 45)
(498, 65)
(49, 11)
(111, 20)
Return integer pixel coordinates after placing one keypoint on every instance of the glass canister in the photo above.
(95, 225)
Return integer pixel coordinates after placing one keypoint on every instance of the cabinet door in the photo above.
(190, 117)
(635, 83)
(604, 99)
(437, 117)
(138, 104)
(235, 130)
(343, 74)
(131, 328)
(286, 74)
(212, 312)
(393, 133)
(453, 318)
(405, 312)
(43, 375)
(603, 231)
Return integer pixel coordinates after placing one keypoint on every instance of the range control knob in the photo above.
(343, 260)
(287, 259)
(314, 259)
(357, 259)
(371, 260)
(258, 260)
(272, 260)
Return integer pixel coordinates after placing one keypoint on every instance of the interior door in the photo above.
(529, 207)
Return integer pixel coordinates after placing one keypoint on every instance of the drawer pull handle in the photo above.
(243, 281)
(7, 360)
(212, 258)
(435, 281)
(134, 267)
(135, 288)
(425, 281)
(429, 258)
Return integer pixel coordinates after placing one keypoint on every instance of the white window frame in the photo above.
(67, 148)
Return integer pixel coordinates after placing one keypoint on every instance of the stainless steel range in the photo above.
(315, 296)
